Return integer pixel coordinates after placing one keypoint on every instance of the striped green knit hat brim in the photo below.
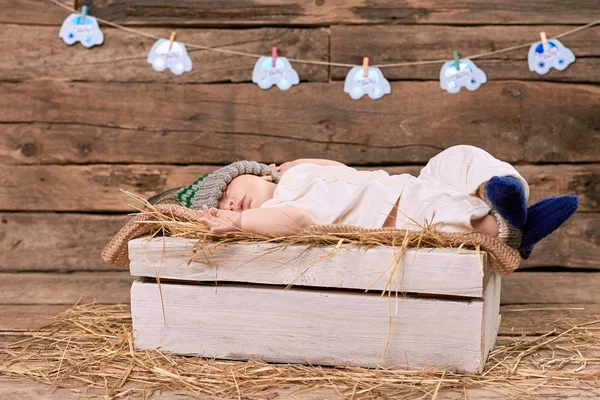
(186, 194)
(209, 188)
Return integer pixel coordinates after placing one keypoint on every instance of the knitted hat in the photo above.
(208, 189)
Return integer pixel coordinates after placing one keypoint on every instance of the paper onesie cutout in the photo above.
(557, 56)
(176, 58)
(468, 75)
(283, 74)
(374, 84)
(87, 33)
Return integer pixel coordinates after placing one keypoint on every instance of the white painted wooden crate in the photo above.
(449, 319)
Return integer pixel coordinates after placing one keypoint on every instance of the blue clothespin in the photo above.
(456, 60)
(84, 11)
(80, 27)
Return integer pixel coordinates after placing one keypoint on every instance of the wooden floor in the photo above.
(533, 303)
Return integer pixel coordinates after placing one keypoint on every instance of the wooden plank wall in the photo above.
(77, 125)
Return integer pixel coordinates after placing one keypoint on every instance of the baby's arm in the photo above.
(318, 161)
(276, 221)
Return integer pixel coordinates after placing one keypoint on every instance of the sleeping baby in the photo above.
(462, 189)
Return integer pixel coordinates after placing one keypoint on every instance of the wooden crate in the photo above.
(443, 309)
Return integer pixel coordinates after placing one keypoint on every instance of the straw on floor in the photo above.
(89, 350)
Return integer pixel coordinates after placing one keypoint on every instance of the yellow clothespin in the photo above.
(171, 39)
(544, 41)
(366, 66)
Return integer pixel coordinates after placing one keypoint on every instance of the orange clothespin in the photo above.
(544, 41)
(366, 66)
(273, 57)
(171, 39)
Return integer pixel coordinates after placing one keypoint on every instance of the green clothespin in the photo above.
(84, 11)
(456, 60)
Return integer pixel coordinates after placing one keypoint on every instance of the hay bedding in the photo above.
(180, 221)
(89, 350)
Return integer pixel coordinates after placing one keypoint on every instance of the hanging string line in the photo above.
(327, 63)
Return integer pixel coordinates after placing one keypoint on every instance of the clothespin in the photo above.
(273, 57)
(456, 60)
(366, 66)
(544, 41)
(84, 11)
(171, 39)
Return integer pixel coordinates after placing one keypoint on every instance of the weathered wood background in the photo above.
(77, 125)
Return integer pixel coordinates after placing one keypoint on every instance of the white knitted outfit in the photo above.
(443, 193)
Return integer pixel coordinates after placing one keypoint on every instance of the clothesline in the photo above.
(327, 63)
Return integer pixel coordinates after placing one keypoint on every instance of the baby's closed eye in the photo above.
(226, 204)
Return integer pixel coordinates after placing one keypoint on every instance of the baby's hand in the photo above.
(220, 221)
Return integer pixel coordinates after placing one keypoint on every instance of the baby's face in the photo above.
(246, 192)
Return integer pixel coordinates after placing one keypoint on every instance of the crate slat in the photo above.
(322, 327)
(434, 271)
